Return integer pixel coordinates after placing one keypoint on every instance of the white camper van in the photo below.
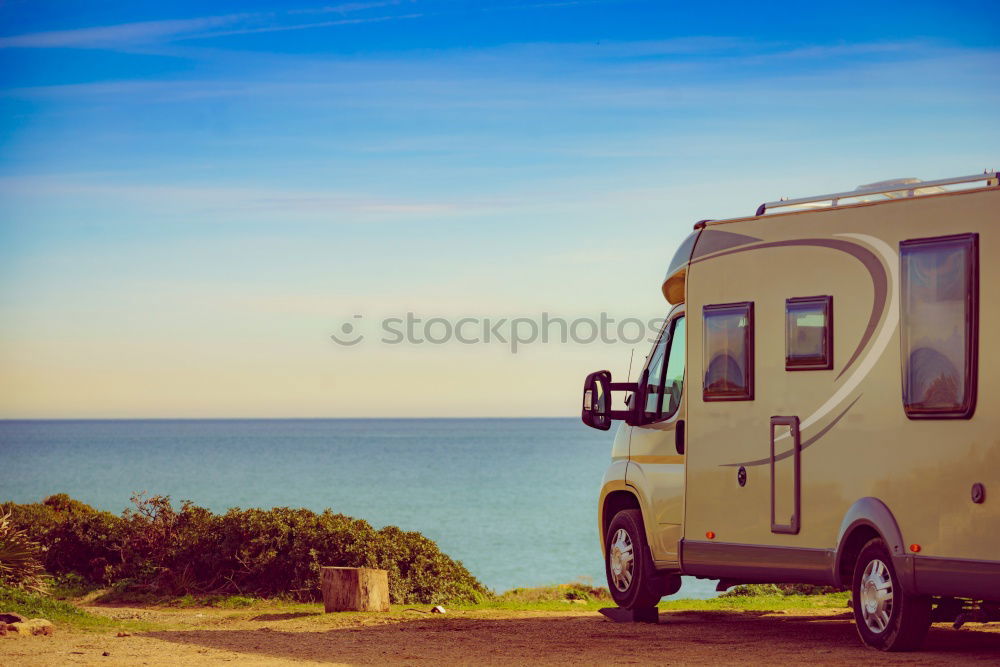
(822, 406)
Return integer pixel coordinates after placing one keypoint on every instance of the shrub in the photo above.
(577, 590)
(157, 549)
(71, 585)
(762, 590)
(20, 558)
(75, 537)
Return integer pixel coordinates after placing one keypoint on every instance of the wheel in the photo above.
(631, 578)
(886, 615)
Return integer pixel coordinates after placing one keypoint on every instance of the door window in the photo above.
(655, 368)
(673, 377)
(665, 383)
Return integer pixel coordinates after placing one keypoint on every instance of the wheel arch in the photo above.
(867, 519)
(615, 502)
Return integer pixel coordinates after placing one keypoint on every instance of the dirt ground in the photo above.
(211, 636)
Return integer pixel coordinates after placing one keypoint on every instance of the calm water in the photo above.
(513, 499)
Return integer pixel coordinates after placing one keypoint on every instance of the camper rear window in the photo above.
(809, 333)
(728, 352)
(939, 328)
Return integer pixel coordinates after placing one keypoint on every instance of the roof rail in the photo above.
(909, 185)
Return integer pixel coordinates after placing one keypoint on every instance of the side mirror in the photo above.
(597, 412)
(597, 400)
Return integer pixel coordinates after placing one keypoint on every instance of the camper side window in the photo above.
(939, 326)
(809, 333)
(728, 352)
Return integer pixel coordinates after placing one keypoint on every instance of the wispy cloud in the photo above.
(713, 71)
(149, 32)
(146, 33)
(304, 26)
(348, 7)
(547, 4)
(303, 205)
(122, 34)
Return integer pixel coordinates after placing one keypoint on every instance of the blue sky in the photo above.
(193, 196)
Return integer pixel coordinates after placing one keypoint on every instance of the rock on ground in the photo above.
(35, 626)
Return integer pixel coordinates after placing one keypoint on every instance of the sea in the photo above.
(513, 499)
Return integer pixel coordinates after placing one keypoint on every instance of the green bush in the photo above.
(75, 537)
(70, 585)
(577, 590)
(20, 558)
(157, 549)
(764, 590)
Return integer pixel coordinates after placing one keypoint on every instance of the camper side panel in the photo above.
(855, 440)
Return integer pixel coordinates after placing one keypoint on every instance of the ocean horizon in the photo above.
(513, 498)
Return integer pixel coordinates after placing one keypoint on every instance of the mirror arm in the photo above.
(638, 407)
(628, 414)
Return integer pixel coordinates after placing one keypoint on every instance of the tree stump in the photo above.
(355, 589)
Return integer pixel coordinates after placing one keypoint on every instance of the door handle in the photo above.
(679, 436)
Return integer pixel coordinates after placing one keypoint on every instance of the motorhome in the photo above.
(822, 406)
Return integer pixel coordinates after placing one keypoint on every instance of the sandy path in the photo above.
(215, 636)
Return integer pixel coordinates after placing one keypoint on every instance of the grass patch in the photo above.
(217, 601)
(574, 597)
(538, 605)
(33, 605)
(773, 602)
(581, 596)
(71, 587)
(577, 590)
(125, 597)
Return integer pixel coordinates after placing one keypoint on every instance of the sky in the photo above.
(194, 197)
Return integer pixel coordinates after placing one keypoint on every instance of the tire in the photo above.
(631, 578)
(887, 616)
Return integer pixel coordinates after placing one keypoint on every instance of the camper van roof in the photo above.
(870, 193)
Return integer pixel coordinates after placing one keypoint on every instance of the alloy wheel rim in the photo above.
(622, 560)
(876, 596)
